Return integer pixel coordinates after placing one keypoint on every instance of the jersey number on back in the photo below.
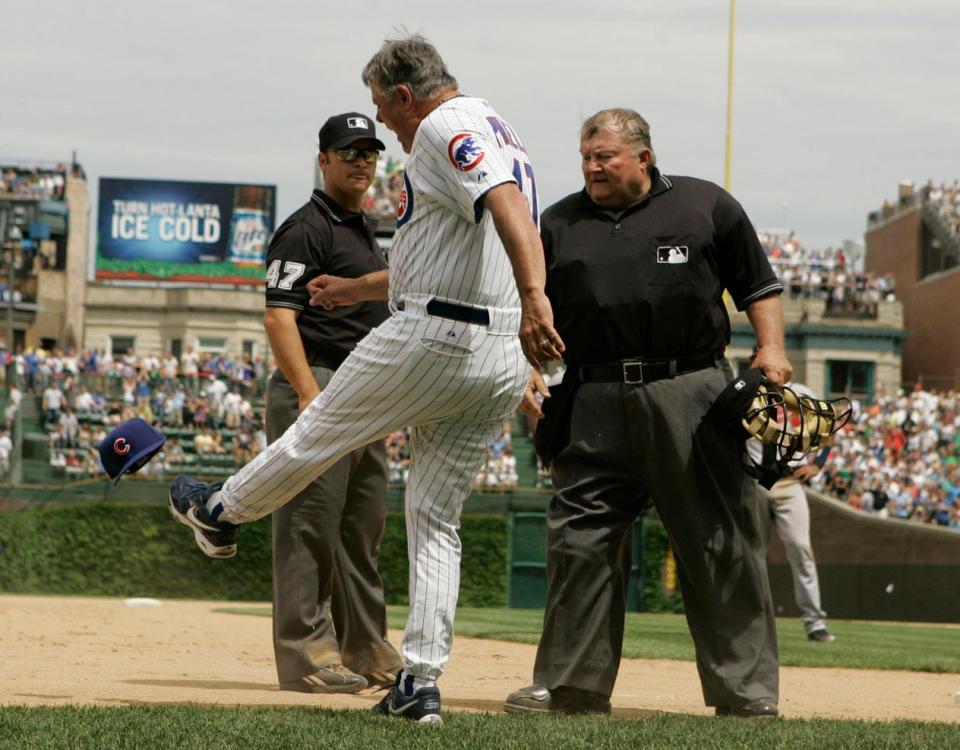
(521, 170)
(292, 270)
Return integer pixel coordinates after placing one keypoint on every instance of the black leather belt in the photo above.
(636, 371)
(320, 359)
(453, 311)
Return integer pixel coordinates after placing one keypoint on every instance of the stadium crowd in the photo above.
(34, 182)
(213, 427)
(382, 199)
(108, 373)
(207, 405)
(946, 200)
(826, 274)
(900, 458)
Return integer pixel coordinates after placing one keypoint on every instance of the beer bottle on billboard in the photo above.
(249, 228)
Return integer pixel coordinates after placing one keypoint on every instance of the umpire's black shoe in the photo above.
(821, 636)
(538, 699)
(421, 706)
(333, 678)
(762, 708)
(188, 504)
(381, 680)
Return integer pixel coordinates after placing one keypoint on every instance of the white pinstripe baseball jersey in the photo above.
(452, 382)
(446, 245)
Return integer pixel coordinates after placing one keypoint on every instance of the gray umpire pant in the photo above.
(327, 592)
(630, 444)
(791, 515)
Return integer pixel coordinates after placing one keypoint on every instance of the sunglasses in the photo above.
(370, 155)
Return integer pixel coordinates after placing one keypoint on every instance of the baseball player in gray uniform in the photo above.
(466, 275)
(790, 514)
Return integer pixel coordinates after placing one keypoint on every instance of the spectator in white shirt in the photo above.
(6, 448)
(191, 370)
(52, 403)
(13, 405)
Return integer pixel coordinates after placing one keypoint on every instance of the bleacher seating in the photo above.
(58, 384)
(826, 274)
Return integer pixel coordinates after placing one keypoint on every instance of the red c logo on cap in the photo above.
(121, 447)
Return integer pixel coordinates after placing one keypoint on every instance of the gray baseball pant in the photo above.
(791, 516)
(327, 592)
(630, 444)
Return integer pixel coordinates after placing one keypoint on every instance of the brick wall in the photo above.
(931, 306)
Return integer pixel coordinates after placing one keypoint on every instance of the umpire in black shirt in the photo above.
(637, 263)
(329, 619)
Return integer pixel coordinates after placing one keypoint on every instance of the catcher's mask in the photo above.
(793, 423)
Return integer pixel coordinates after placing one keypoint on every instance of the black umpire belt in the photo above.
(452, 311)
(636, 371)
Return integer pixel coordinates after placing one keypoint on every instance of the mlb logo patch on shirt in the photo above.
(673, 254)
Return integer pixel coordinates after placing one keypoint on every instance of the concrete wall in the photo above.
(813, 338)
(155, 316)
(874, 568)
(78, 242)
(52, 313)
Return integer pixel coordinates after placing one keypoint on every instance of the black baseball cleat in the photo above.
(421, 706)
(762, 708)
(821, 636)
(188, 504)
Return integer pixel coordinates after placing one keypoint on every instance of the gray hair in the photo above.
(413, 61)
(628, 124)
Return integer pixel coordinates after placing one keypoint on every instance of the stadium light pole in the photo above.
(7, 245)
(7, 242)
(726, 168)
(15, 238)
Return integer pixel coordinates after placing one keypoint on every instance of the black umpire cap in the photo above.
(343, 130)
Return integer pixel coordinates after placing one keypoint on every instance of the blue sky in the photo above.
(834, 102)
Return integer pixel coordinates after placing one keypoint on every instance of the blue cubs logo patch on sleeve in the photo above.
(405, 202)
(464, 152)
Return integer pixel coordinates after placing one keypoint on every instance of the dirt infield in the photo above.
(59, 651)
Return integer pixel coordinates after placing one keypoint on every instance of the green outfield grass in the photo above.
(859, 645)
(199, 728)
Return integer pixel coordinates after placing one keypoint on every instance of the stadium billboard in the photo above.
(183, 232)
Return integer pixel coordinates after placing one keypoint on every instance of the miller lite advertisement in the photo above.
(183, 232)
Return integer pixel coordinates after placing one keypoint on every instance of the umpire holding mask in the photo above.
(637, 263)
(329, 618)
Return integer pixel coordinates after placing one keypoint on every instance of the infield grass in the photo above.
(859, 645)
(200, 728)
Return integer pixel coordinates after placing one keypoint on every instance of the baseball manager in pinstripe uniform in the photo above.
(637, 266)
(466, 275)
(329, 618)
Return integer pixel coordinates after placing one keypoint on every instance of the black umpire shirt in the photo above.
(324, 238)
(648, 281)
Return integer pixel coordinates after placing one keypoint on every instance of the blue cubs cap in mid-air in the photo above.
(127, 447)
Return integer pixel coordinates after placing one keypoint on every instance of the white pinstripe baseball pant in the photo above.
(454, 383)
